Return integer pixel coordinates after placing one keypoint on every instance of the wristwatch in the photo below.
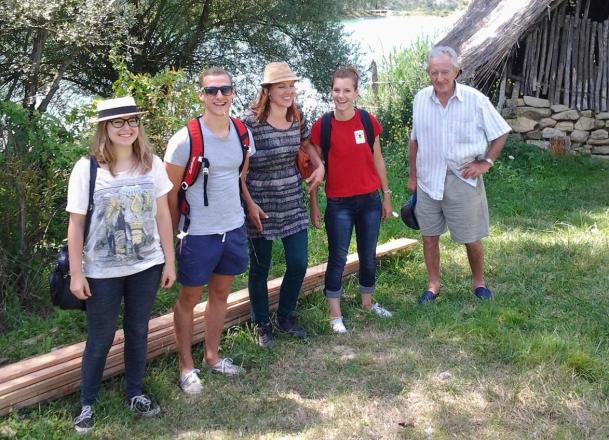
(488, 160)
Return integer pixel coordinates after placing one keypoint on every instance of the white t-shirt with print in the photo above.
(123, 237)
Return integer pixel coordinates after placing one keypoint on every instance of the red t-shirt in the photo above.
(351, 169)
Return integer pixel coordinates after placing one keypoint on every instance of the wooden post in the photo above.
(567, 88)
(604, 66)
(586, 65)
(592, 72)
(542, 58)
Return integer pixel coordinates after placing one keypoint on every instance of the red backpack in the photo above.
(197, 162)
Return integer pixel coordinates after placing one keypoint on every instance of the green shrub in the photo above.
(170, 97)
(36, 153)
(401, 76)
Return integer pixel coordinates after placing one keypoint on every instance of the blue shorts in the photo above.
(201, 255)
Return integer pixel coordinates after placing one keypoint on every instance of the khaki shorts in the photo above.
(463, 210)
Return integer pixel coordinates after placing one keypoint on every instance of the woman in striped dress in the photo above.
(275, 199)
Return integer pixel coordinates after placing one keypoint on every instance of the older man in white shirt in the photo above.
(449, 152)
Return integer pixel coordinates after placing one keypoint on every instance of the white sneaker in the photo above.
(338, 326)
(226, 366)
(190, 382)
(380, 311)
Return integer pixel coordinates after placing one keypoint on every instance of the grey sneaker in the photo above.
(226, 366)
(380, 311)
(265, 335)
(83, 423)
(142, 405)
(190, 382)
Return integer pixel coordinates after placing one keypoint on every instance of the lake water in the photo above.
(377, 37)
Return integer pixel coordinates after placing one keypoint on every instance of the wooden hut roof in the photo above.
(488, 30)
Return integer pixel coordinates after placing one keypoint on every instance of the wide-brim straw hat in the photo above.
(116, 108)
(277, 72)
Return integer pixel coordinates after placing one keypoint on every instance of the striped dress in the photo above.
(273, 179)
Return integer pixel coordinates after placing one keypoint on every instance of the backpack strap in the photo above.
(196, 161)
(93, 165)
(244, 139)
(368, 128)
(326, 131)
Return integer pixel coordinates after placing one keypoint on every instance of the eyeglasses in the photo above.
(213, 91)
(120, 123)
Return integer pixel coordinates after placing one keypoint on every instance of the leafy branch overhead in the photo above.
(49, 45)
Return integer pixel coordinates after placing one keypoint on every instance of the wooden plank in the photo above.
(58, 373)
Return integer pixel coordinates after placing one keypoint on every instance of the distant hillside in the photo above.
(405, 5)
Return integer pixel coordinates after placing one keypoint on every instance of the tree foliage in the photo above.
(47, 43)
(36, 153)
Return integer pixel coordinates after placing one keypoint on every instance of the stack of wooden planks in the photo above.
(57, 373)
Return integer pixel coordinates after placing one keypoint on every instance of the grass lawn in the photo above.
(531, 363)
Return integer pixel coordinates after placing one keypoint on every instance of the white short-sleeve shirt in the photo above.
(452, 136)
(123, 237)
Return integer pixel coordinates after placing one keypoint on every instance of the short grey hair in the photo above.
(439, 51)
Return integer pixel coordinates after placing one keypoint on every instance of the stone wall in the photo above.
(536, 122)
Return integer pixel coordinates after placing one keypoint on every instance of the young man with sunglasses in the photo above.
(212, 247)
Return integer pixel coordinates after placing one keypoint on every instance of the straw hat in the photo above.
(278, 72)
(116, 108)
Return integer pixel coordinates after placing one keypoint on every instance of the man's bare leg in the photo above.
(219, 288)
(475, 255)
(431, 252)
(188, 298)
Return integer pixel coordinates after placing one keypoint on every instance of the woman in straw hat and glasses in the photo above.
(128, 251)
(275, 204)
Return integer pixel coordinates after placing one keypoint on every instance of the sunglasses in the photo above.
(120, 123)
(213, 91)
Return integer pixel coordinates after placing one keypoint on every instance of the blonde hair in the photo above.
(262, 106)
(101, 147)
(214, 71)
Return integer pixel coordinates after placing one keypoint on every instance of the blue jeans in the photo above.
(296, 261)
(342, 213)
(139, 292)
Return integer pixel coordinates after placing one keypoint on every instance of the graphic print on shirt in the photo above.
(360, 138)
(125, 231)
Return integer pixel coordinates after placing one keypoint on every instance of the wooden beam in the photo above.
(57, 374)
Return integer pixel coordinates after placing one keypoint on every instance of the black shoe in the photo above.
(143, 406)
(265, 335)
(290, 326)
(83, 423)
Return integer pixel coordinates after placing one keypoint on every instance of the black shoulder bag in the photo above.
(59, 280)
